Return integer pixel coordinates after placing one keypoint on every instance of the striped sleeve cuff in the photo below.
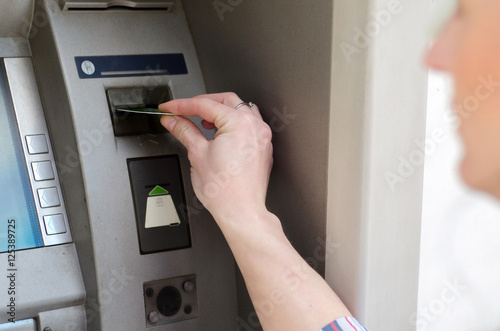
(344, 324)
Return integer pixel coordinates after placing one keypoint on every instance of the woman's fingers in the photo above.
(185, 131)
(231, 99)
(213, 108)
(212, 111)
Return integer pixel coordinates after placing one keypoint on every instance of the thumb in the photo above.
(184, 130)
(169, 122)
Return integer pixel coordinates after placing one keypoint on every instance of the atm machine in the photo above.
(101, 229)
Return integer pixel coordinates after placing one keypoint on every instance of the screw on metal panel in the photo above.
(188, 309)
(188, 286)
(149, 292)
(154, 317)
(47, 329)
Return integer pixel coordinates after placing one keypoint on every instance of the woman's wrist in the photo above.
(248, 220)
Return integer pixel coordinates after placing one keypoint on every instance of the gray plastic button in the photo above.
(48, 197)
(37, 144)
(154, 317)
(54, 224)
(42, 170)
(188, 286)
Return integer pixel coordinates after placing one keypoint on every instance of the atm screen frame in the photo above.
(34, 161)
(20, 226)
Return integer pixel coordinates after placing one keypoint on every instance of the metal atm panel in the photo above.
(93, 165)
(42, 276)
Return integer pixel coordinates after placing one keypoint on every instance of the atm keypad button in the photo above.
(54, 224)
(49, 197)
(37, 144)
(42, 170)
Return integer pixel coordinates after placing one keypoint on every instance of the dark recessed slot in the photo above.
(117, 8)
(126, 123)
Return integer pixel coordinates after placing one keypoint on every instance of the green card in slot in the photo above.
(146, 111)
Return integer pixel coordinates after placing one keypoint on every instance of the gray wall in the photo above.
(15, 24)
(356, 116)
(376, 164)
(277, 54)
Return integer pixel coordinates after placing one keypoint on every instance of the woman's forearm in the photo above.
(286, 292)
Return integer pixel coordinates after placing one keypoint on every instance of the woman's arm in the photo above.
(230, 175)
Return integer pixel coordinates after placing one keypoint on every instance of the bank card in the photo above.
(147, 111)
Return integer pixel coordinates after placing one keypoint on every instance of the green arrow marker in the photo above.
(158, 190)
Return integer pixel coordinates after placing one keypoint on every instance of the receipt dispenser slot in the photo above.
(105, 4)
(160, 205)
(127, 124)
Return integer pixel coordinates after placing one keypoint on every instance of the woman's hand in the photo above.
(230, 173)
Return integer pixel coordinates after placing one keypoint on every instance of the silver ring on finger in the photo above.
(241, 104)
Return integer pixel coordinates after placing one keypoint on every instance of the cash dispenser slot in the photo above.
(126, 123)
